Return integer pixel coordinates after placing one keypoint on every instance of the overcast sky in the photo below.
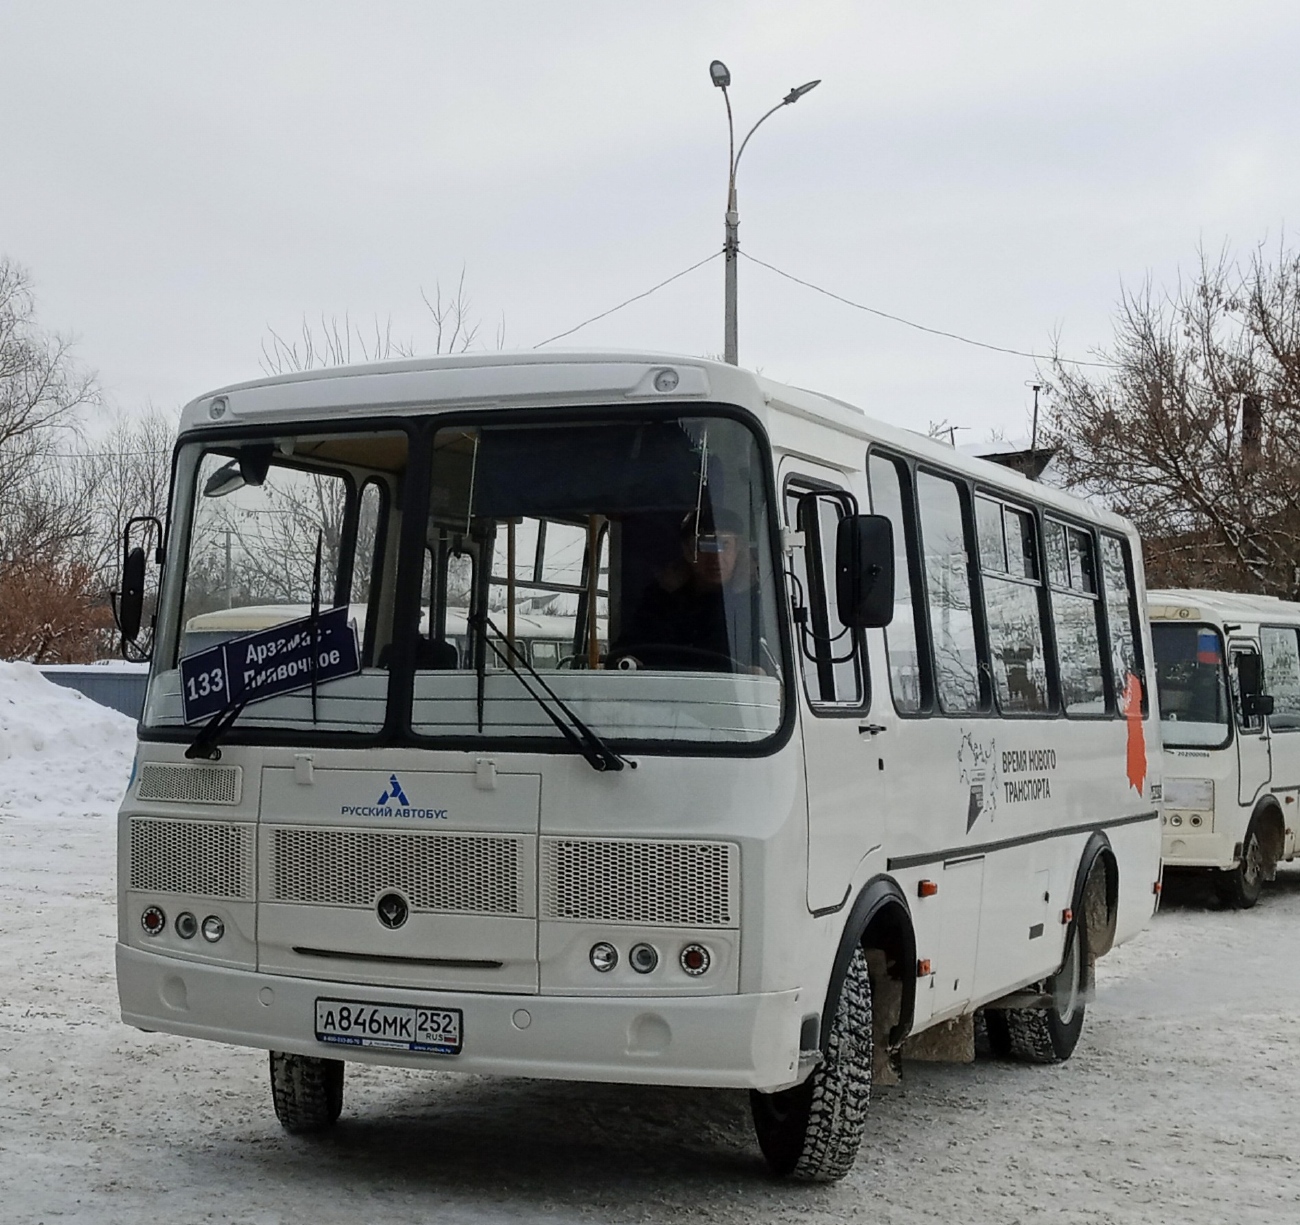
(178, 178)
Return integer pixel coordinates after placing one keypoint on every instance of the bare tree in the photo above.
(46, 590)
(1195, 431)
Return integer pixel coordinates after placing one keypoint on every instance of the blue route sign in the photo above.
(267, 663)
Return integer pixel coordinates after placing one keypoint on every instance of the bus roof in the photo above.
(1201, 604)
(590, 377)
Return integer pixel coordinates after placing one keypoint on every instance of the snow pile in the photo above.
(59, 751)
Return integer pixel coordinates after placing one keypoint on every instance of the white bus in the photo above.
(851, 740)
(1228, 678)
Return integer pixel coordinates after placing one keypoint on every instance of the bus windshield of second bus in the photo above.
(650, 538)
(1192, 681)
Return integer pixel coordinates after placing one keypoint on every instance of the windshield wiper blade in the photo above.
(205, 743)
(597, 753)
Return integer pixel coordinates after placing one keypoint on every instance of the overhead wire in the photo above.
(637, 298)
(921, 327)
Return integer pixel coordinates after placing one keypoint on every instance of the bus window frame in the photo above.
(801, 482)
(1055, 707)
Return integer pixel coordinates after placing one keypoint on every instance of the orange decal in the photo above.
(1137, 741)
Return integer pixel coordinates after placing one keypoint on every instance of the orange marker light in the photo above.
(927, 888)
(923, 968)
(1066, 915)
(1156, 888)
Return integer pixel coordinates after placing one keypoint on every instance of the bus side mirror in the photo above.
(128, 604)
(864, 571)
(1255, 703)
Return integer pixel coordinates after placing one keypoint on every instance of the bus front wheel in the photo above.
(1049, 1035)
(812, 1132)
(1240, 887)
(307, 1092)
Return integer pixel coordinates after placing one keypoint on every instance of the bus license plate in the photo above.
(393, 1027)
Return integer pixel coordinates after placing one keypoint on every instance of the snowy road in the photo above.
(1182, 1103)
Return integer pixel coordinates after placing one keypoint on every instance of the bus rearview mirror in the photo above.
(864, 571)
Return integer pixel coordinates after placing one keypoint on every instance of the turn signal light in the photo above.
(695, 959)
(923, 968)
(153, 920)
(927, 888)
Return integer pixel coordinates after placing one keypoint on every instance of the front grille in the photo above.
(209, 858)
(614, 880)
(190, 784)
(453, 873)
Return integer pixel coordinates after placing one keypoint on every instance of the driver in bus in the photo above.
(697, 613)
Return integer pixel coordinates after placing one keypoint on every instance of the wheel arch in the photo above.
(880, 918)
(1271, 824)
(1097, 854)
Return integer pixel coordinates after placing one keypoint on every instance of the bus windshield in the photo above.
(628, 561)
(1192, 686)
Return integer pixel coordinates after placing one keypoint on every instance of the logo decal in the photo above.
(394, 792)
(978, 769)
(392, 910)
(392, 802)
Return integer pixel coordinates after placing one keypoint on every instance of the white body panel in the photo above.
(791, 832)
(1257, 769)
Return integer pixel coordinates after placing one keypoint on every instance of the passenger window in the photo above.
(1282, 676)
(1121, 614)
(832, 663)
(1009, 561)
(905, 680)
(1073, 578)
(948, 595)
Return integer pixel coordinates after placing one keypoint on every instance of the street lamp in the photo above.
(721, 77)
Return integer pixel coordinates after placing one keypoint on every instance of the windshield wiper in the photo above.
(597, 753)
(205, 743)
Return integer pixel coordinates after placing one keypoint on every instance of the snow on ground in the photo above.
(1181, 1104)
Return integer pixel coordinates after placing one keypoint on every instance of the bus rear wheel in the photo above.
(812, 1132)
(1240, 887)
(307, 1092)
(1049, 1035)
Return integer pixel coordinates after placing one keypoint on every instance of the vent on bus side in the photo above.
(664, 884)
(209, 858)
(190, 784)
(450, 873)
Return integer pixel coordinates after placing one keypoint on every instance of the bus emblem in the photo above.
(392, 911)
(394, 792)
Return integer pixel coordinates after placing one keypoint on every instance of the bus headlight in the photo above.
(1195, 793)
(604, 957)
(213, 929)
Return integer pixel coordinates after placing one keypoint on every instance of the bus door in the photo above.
(1254, 750)
(842, 753)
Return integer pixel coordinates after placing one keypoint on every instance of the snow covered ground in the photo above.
(1182, 1103)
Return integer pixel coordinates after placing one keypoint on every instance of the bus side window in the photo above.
(1282, 676)
(1013, 607)
(1122, 617)
(946, 553)
(1073, 578)
(832, 661)
(906, 678)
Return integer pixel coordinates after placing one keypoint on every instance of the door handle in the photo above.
(871, 729)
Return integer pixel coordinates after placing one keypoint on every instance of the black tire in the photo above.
(1049, 1035)
(307, 1092)
(812, 1132)
(1241, 886)
(997, 1038)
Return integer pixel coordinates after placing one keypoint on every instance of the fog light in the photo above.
(604, 957)
(187, 925)
(153, 921)
(643, 958)
(213, 929)
(695, 959)
(1195, 820)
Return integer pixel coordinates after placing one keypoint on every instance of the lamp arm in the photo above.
(736, 164)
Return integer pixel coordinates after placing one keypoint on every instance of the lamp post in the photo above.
(721, 77)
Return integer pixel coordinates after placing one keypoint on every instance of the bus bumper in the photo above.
(720, 1041)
